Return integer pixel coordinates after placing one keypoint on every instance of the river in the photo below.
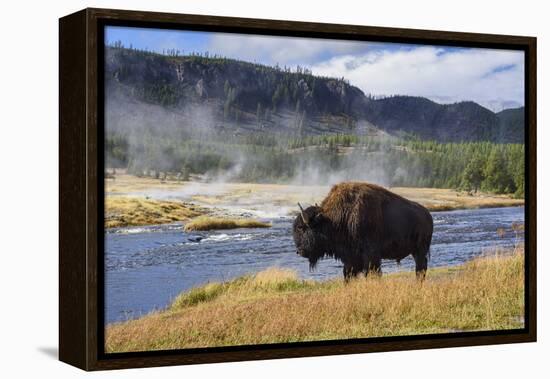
(146, 267)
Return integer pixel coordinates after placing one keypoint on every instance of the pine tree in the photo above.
(497, 178)
(473, 174)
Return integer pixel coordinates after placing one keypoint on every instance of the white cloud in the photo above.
(493, 78)
(489, 77)
(282, 50)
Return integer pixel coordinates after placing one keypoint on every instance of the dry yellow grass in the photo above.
(257, 195)
(215, 223)
(275, 306)
(439, 199)
(134, 211)
(125, 183)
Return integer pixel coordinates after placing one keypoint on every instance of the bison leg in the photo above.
(373, 264)
(350, 271)
(421, 261)
(347, 273)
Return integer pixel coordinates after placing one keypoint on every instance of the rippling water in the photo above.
(146, 267)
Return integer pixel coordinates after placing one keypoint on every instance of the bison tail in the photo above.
(425, 246)
(428, 248)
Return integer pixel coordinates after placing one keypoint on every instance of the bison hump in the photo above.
(357, 208)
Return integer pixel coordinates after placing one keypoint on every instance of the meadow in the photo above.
(136, 201)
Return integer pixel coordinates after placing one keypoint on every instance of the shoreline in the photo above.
(477, 207)
(133, 201)
(453, 298)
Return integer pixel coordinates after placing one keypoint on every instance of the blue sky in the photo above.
(493, 78)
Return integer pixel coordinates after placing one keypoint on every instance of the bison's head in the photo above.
(309, 234)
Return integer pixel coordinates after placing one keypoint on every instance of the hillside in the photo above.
(220, 95)
(511, 124)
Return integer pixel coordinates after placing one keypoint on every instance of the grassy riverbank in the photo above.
(133, 201)
(136, 211)
(219, 223)
(275, 306)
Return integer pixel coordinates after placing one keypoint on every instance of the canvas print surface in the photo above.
(262, 189)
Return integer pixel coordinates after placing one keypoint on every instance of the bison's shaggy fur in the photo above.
(348, 203)
(361, 224)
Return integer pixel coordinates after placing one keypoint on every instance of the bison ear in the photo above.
(317, 218)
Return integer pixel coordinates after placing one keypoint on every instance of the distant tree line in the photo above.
(472, 166)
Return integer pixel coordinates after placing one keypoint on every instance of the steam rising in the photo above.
(151, 132)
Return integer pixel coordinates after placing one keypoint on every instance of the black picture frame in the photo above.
(81, 188)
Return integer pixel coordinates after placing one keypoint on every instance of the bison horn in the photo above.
(302, 214)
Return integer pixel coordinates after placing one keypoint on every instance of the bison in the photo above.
(360, 224)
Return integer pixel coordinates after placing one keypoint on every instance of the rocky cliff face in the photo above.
(247, 97)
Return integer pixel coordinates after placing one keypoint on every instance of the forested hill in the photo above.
(243, 97)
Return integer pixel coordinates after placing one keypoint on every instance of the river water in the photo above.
(146, 267)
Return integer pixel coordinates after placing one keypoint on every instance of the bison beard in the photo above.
(360, 224)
